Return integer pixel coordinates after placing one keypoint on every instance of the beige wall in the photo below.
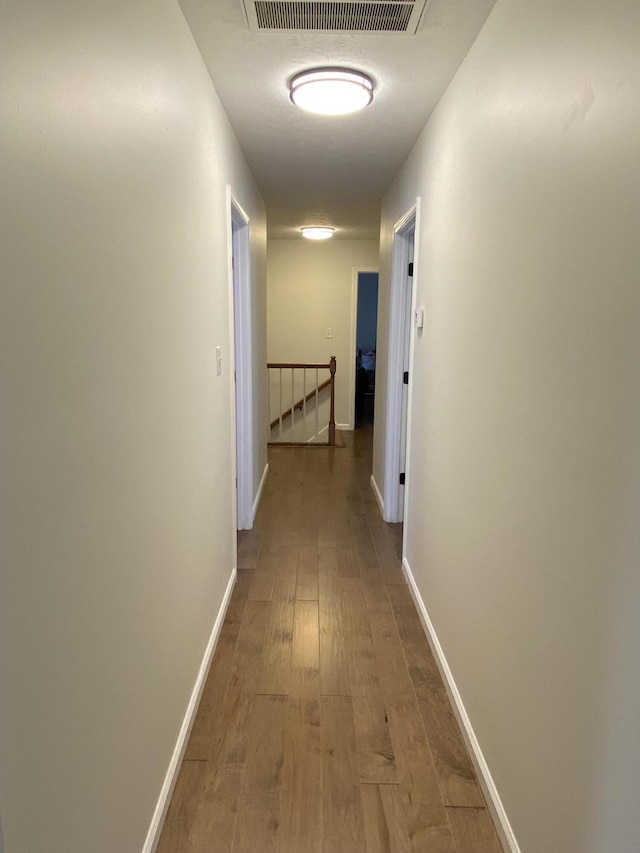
(116, 445)
(524, 475)
(310, 289)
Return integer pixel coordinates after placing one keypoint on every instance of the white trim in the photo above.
(351, 411)
(377, 493)
(501, 821)
(263, 480)
(344, 427)
(318, 434)
(162, 806)
(354, 331)
(408, 224)
(406, 218)
(339, 428)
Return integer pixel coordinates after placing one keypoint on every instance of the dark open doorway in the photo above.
(366, 341)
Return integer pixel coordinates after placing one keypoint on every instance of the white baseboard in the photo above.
(376, 492)
(314, 438)
(494, 803)
(162, 806)
(256, 502)
(345, 427)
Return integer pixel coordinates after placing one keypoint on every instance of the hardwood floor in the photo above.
(324, 726)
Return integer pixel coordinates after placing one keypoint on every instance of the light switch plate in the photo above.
(218, 361)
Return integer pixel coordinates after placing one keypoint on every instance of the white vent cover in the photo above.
(362, 16)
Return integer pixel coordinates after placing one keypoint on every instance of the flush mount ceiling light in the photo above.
(317, 233)
(331, 91)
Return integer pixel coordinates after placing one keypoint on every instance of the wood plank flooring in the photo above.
(324, 726)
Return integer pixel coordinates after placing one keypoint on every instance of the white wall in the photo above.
(524, 476)
(116, 435)
(311, 288)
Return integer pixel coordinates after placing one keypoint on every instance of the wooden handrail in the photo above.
(331, 367)
(301, 364)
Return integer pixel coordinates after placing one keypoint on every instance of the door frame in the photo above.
(242, 387)
(354, 329)
(405, 232)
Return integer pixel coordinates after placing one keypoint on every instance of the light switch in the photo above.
(218, 361)
(328, 333)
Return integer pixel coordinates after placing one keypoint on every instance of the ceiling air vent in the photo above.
(360, 16)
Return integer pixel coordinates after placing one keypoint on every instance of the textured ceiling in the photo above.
(320, 169)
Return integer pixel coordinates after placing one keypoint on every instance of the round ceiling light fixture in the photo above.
(331, 91)
(315, 232)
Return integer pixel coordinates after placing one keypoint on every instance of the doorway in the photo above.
(243, 384)
(400, 356)
(366, 342)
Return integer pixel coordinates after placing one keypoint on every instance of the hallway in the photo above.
(324, 724)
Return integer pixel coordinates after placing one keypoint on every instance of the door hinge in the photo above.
(410, 270)
(405, 377)
(402, 479)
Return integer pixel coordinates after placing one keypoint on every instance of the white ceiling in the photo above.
(329, 170)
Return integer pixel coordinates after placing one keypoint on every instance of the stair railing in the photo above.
(288, 383)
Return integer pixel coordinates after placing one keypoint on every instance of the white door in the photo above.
(243, 365)
(406, 378)
(399, 367)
